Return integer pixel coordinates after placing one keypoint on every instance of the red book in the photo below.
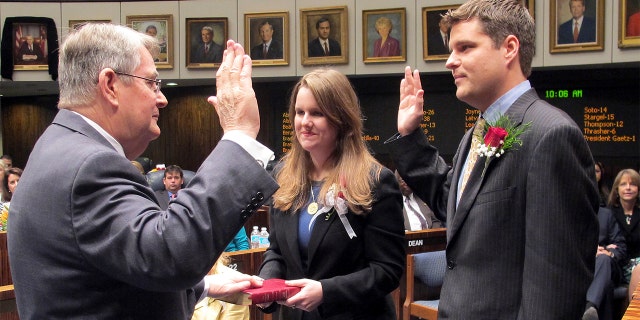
(271, 290)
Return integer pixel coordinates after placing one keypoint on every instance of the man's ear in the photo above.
(108, 85)
(512, 47)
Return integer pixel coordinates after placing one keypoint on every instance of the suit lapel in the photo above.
(318, 233)
(290, 223)
(476, 180)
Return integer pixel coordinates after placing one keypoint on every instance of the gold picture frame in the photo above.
(315, 19)
(434, 45)
(30, 47)
(629, 31)
(206, 41)
(272, 27)
(591, 32)
(392, 23)
(163, 25)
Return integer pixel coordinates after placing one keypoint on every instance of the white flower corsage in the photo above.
(338, 204)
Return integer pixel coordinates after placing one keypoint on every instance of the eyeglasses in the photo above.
(158, 82)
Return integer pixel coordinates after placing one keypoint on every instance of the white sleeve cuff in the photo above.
(205, 292)
(257, 150)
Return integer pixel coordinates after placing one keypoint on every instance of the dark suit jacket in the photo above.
(163, 199)
(214, 55)
(587, 31)
(428, 214)
(274, 52)
(357, 275)
(104, 249)
(24, 49)
(435, 44)
(631, 231)
(316, 50)
(520, 244)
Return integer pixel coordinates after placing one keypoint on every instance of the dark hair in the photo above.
(5, 184)
(321, 20)
(603, 188)
(173, 169)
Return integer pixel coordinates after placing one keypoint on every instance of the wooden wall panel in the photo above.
(24, 119)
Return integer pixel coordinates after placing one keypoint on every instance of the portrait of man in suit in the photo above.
(30, 52)
(437, 34)
(269, 47)
(580, 28)
(207, 50)
(323, 44)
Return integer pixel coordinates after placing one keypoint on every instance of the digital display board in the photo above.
(606, 107)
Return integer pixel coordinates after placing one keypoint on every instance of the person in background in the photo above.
(335, 225)
(10, 181)
(138, 166)
(173, 178)
(269, 48)
(104, 249)
(579, 28)
(386, 45)
(239, 242)
(417, 215)
(624, 201)
(522, 227)
(4, 193)
(7, 160)
(323, 45)
(611, 254)
(603, 189)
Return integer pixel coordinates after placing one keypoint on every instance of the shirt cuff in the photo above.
(256, 149)
(205, 292)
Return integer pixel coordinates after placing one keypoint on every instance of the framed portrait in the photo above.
(75, 24)
(30, 47)
(267, 36)
(384, 35)
(206, 40)
(576, 25)
(160, 27)
(629, 31)
(435, 36)
(324, 36)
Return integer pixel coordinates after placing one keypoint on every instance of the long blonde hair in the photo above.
(352, 163)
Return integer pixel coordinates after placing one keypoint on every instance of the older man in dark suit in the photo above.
(88, 239)
(521, 227)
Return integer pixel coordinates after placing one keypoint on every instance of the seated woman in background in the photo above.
(336, 224)
(11, 178)
(625, 205)
(603, 188)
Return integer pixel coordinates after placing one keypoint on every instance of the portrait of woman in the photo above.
(386, 45)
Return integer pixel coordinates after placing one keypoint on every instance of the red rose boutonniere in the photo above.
(501, 136)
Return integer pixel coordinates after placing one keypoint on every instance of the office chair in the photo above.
(425, 274)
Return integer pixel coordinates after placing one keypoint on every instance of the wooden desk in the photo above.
(8, 309)
(633, 310)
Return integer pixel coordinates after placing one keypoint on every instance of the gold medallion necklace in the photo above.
(312, 208)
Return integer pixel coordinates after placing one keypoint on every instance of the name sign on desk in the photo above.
(425, 240)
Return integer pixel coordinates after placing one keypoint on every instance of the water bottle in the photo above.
(255, 238)
(264, 238)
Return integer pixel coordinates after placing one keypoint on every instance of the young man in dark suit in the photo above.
(173, 178)
(521, 227)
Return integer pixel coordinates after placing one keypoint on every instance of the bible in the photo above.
(271, 290)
